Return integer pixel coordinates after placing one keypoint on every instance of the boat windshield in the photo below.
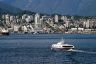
(61, 42)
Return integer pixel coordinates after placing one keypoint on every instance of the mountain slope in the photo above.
(48, 6)
(87, 7)
(5, 8)
(70, 7)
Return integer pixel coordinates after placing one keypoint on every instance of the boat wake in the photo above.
(81, 51)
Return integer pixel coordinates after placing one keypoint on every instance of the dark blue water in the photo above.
(35, 49)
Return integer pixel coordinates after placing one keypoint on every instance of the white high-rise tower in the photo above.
(37, 20)
(56, 18)
(87, 24)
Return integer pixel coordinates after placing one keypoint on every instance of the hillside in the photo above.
(65, 7)
(5, 8)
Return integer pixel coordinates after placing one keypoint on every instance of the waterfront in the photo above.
(37, 51)
(28, 30)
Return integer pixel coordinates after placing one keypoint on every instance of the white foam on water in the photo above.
(81, 51)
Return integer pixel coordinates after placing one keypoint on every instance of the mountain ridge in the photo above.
(6, 8)
(64, 7)
(48, 6)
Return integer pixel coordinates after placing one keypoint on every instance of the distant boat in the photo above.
(62, 46)
(4, 32)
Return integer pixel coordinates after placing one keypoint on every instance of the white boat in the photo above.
(4, 32)
(62, 46)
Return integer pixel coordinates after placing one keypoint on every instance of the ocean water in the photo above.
(31, 49)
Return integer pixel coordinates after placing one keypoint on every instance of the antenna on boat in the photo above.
(62, 38)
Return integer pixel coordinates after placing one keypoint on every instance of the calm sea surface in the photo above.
(35, 49)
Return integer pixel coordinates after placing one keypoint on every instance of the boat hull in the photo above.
(62, 49)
